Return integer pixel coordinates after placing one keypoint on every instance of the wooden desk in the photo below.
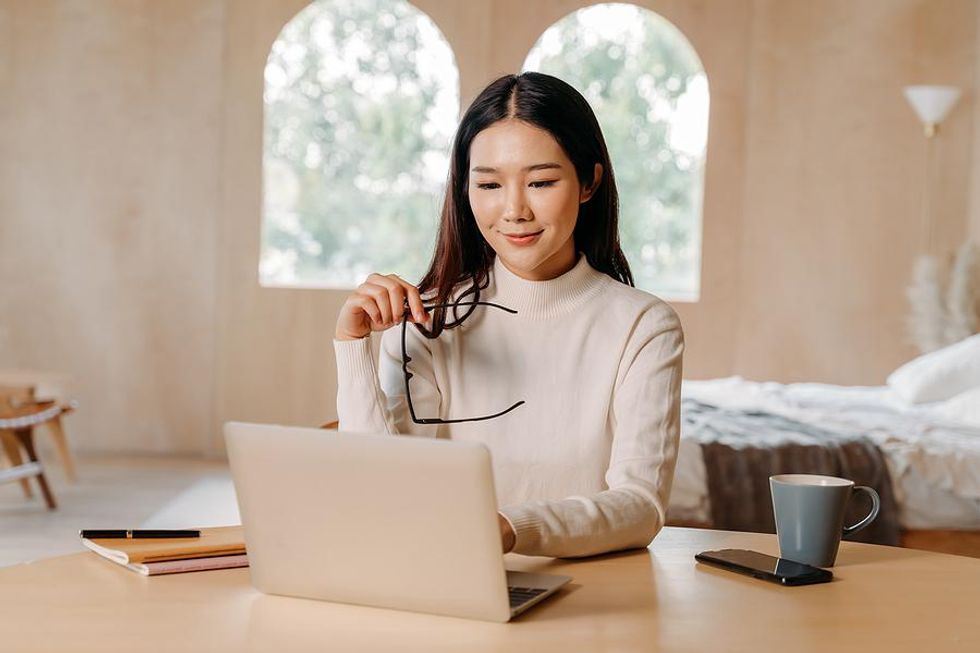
(882, 599)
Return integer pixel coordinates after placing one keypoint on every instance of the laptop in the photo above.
(386, 521)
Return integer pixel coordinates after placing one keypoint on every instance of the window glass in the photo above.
(361, 101)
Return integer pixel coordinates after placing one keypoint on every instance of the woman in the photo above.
(589, 366)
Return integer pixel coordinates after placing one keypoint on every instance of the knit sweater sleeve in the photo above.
(371, 394)
(646, 430)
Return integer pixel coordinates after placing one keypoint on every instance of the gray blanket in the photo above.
(741, 449)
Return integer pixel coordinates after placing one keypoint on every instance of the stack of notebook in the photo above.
(217, 548)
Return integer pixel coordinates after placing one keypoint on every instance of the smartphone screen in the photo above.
(766, 567)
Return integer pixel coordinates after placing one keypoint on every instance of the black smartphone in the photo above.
(760, 565)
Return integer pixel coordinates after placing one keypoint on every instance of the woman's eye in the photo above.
(490, 185)
(543, 184)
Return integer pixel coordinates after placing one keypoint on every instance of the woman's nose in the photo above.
(516, 209)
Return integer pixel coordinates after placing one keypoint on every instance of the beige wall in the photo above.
(130, 136)
(835, 165)
(110, 143)
(974, 229)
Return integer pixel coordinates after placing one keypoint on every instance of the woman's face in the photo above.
(525, 195)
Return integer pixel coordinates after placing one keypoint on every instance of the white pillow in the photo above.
(963, 408)
(940, 374)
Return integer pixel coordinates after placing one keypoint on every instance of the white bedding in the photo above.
(934, 462)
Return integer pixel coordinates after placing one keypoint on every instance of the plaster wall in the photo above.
(837, 172)
(110, 147)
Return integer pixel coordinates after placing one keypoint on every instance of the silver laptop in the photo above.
(386, 521)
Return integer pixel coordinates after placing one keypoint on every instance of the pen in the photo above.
(138, 534)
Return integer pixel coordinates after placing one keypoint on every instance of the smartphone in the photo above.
(760, 565)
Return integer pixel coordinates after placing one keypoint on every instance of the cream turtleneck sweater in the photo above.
(586, 464)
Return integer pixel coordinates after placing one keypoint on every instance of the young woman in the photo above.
(571, 377)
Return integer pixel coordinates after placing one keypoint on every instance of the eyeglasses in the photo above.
(406, 359)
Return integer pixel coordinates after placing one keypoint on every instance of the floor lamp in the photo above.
(932, 104)
(928, 318)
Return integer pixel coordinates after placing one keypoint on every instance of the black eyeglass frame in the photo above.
(406, 359)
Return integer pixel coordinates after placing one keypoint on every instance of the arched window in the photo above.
(361, 99)
(647, 86)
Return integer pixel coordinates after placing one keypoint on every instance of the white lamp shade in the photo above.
(932, 103)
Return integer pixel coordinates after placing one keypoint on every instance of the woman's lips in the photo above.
(525, 239)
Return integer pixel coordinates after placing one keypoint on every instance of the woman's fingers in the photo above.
(368, 306)
(401, 294)
(379, 294)
(378, 304)
(396, 293)
(415, 303)
(413, 298)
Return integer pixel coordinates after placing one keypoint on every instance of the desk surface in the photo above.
(882, 598)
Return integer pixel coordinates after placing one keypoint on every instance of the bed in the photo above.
(931, 451)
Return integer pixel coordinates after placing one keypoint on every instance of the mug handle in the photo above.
(875, 507)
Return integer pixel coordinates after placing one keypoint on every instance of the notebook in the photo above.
(220, 547)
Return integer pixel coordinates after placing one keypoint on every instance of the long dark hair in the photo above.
(462, 255)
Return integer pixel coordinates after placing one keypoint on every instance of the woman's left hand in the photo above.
(507, 535)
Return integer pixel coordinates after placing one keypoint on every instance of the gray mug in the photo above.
(809, 511)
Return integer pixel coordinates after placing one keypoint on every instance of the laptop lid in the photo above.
(395, 522)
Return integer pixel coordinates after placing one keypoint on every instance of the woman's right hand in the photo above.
(378, 304)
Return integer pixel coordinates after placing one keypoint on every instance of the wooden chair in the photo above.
(19, 413)
(20, 402)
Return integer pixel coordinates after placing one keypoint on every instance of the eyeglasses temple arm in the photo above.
(503, 308)
(434, 420)
(408, 375)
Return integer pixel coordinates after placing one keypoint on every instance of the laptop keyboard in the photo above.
(521, 595)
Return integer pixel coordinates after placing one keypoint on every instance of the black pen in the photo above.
(138, 534)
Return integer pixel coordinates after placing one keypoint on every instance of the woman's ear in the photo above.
(588, 191)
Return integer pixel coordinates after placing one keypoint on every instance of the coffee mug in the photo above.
(809, 511)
